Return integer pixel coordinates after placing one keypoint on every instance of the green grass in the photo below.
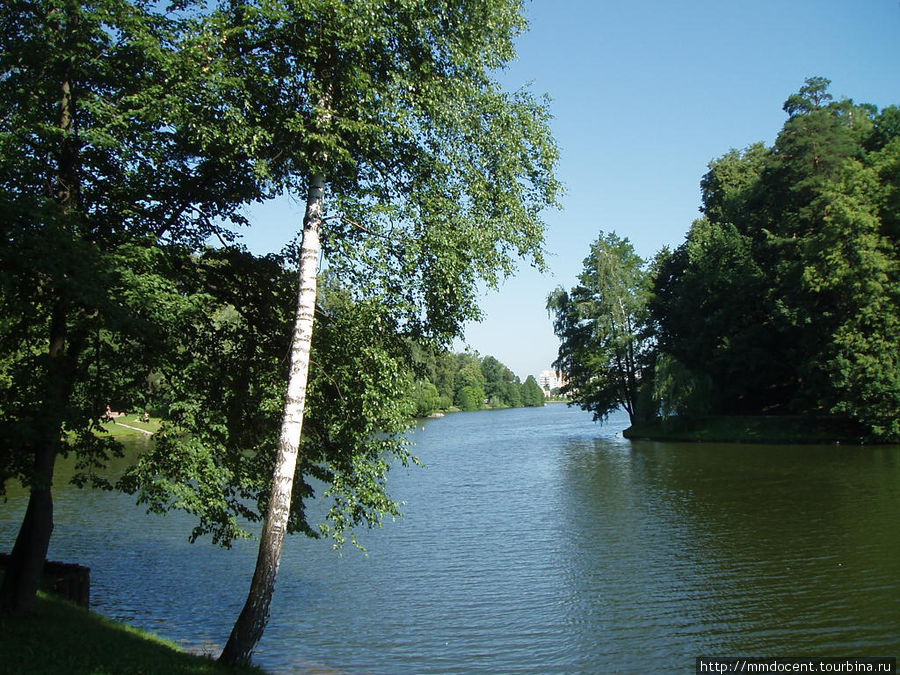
(115, 428)
(60, 637)
(759, 429)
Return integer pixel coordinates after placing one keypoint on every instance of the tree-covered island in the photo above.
(778, 318)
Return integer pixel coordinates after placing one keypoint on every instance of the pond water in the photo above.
(536, 541)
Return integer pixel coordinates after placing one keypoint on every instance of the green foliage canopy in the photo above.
(435, 179)
(785, 297)
(468, 381)
(532, 394)
(224, 393)
(130, 135)
(603, 327)
(436, 176)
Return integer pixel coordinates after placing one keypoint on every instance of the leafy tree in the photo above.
(435, 178)
(602, 324)
(509, 394)
(833, 258)
(502, 386)
(852, 262)
(482, 379)
(441, 372)
(711, 335)
(805, 235)
(678, 390)
(224, 391)
(95, 183)
(470, 383)
(532, 394)
(470, 398)
(427, 399)
(731, 190)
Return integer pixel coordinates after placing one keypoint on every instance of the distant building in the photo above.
(550, 380)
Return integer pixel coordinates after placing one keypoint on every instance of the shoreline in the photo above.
(790, 430)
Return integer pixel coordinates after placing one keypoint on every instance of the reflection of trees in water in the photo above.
(540, 528)
(732, 548)
(65, 469)
(143, 569)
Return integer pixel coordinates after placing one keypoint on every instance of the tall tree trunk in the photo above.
(26, 563)
(23, 573)
(253, 618)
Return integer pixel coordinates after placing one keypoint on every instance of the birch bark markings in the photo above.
(252, 621)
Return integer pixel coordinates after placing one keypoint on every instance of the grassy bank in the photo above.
(63, 638)
(131, 425)
(793, 430)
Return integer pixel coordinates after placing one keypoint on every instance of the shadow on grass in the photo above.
(60, 637)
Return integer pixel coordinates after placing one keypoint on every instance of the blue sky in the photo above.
(644, 94)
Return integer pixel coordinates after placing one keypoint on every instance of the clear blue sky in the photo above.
(644, 94)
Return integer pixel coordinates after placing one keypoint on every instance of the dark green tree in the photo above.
(712, 308)
(833, 259)
(445, 372)
(95, 182)
(852, 264)
(502, 386)
(532, 394)
(784, 297)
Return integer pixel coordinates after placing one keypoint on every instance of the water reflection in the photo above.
(538, 542)
(692, 549)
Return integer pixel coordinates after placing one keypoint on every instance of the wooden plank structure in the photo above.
(67, 580)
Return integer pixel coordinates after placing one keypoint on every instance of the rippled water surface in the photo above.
(538, 542)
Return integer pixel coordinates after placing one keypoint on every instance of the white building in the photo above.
(550, 380)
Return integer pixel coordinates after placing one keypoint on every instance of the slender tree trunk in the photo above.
(253, 618)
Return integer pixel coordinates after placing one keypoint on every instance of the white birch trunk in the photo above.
(250, 624)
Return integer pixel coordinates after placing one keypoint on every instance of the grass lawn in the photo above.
(63, 638)
(116, 426)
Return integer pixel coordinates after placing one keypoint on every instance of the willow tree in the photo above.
(422, 178)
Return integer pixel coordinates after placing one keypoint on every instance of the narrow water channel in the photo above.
(536, 541)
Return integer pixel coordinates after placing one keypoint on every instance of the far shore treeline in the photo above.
(467, 381)
(783, 300)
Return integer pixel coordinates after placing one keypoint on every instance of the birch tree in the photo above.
(603, 327)
(422, 179)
